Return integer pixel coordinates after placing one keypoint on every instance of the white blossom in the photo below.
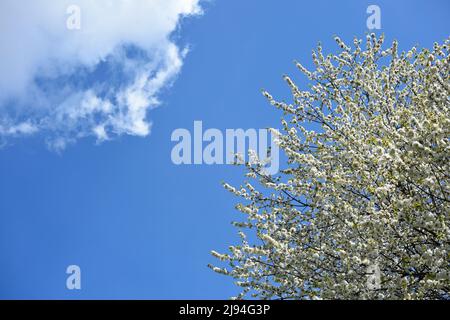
(366, 183)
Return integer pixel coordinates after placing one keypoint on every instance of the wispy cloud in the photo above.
(100, 80)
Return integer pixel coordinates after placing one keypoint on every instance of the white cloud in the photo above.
(22, 128)
(100, 80)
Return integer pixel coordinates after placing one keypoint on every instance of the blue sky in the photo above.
(139, 226)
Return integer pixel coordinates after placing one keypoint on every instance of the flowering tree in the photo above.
(361, 210)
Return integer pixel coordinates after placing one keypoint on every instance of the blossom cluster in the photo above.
(365, 187)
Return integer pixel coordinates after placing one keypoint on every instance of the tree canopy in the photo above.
(361, 208)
